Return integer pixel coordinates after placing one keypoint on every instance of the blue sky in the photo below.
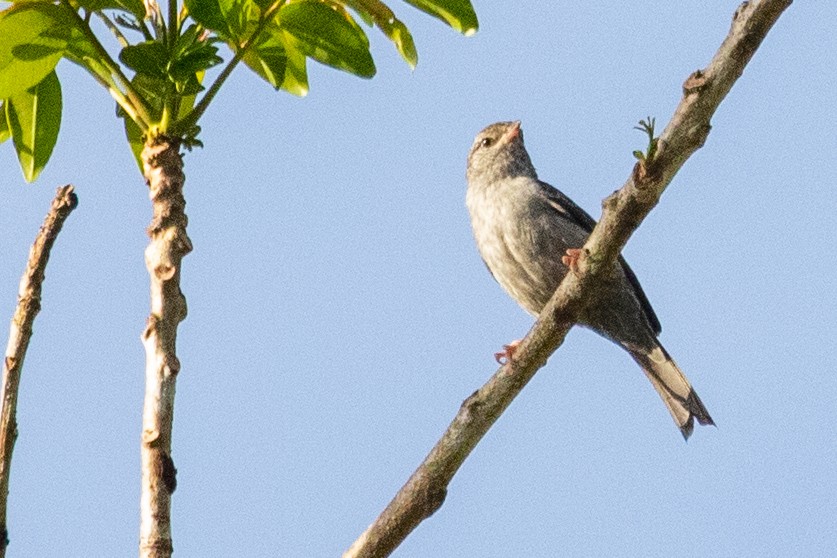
(339, 312)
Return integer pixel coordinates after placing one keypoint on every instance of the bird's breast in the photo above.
(514, 243)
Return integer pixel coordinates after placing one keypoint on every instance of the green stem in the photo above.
(145, 31)
(113, 29)
(157, 19)
(106, 81)
(174, 24)
(182, 16)
(165, 118)
(195, 114)
(139, 107)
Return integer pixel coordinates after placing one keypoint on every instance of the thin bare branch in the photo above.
(20, 332)
(623, 212)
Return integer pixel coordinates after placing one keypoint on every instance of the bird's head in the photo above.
(498, 152)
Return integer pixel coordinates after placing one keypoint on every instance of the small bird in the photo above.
(529, 235)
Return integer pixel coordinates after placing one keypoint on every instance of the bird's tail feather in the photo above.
(676, 391)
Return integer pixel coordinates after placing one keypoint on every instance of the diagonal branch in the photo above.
(623, 212)
(20, 332)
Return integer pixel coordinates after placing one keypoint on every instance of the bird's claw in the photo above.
(507, 353)
(570, 259)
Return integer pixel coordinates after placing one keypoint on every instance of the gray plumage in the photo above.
(524, 226)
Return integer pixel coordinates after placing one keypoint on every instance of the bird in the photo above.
(529, 234)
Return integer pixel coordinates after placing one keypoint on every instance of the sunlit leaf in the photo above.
(296, 73)
(276, 60)
(231, 19)
(400, 35)
(209, 14)
(267, 57)
(34, 118)
(327, 33)
(5, 132)
(377, 13)
(362, 9)
(242, 17)
(82, 51)
(459, 14)
(33, 38)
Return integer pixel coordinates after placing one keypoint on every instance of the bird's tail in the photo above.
(676, 391)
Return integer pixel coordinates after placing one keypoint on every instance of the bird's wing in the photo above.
(568, 209)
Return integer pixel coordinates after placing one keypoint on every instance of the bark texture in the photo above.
(163, 169)
(20, 332)
(623, 212)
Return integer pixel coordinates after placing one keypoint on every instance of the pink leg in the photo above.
(571, 258)
(507, 353)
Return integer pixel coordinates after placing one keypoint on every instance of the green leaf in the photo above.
(187, 102)
(192, 54)
(276, 60)
(189, 87)
(188, 64)
(5, 132)
(82, 51)
(328, 34)
(135, 140)
(231, 19)
(296, 73)
(152, 90)
(377, 13)
(363, 10)
(150, 58)
(459, 14)
(242, 17)
(400, 35)
(34, 117)
(267, 57)
(209, 14)
(33, 37)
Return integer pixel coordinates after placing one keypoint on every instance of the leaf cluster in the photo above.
(647, 126)
(157, 79)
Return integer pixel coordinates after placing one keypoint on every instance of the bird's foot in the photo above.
(507, 353)
(570, 259)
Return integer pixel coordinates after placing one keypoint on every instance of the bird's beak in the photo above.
(513, 132)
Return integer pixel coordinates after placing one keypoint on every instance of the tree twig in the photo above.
(163, 169)
(20, 332)
(623, 212)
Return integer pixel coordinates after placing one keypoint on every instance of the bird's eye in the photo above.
(487, 142)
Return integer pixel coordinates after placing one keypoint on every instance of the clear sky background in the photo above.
(339, 312)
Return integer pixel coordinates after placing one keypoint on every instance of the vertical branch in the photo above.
(163, 169)
(28, 306)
